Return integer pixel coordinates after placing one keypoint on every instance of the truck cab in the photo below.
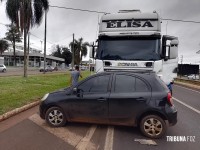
(131, 40)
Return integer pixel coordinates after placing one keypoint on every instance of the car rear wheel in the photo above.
(55, 117)
(153, 126)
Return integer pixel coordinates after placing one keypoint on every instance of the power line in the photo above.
(86, 10)
(182, 20)
(40, 38)
(94, 11)
(35, 36)
(64, 38)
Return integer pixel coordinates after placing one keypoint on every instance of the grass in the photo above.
(18, 91)
(193, 82)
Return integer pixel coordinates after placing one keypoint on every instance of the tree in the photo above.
(63, 52)
(3, 46)
(67, 55)
(80, 50)
(57, 52)
(14, 36)
(25, 14)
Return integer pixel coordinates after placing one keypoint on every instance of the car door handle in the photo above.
(141, 99)
(101, 99)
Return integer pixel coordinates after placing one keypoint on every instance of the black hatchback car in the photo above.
(118, 98)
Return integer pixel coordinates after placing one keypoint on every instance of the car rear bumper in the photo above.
(172, 119)
(172, 116)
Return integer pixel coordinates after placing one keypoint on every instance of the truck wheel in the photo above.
(153, 126)
(55, 117)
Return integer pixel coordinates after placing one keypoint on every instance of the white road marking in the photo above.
(109, 139)
(188, 106)
(188, 89)
(85, 141)
(69, 137)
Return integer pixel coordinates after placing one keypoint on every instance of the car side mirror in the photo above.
(78, 92)
(74, 91)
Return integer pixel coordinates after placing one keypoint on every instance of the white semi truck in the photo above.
(131, 40)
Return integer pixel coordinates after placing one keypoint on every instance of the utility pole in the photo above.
(25, 41)
(181, 59)
(181, 65)
(198, 52)
(45, 36)
(41, 51)
(28, 49)
(166, 27)
(73, 51)
(41, 44)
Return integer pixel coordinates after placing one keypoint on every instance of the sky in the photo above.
(62, 23)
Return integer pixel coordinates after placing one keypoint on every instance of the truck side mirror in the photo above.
(91, 52)
(173, 54)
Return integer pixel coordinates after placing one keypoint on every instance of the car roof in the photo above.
(126, 72)
(144, 73)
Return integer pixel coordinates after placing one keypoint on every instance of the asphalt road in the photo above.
(30, 132)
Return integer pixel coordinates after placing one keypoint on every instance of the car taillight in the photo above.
(169, 99)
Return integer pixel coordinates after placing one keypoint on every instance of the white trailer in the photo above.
(131, 40)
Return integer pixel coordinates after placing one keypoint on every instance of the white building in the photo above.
(36, 58)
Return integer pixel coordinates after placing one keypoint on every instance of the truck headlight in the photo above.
(45, 97)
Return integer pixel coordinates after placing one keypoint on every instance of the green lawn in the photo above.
(18, 91)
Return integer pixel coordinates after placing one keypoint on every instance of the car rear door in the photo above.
(90, 103)
(128, 98)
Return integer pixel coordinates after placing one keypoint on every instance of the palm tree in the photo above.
(14, 36)
(25, 14)
(80, 50)
(3, 46)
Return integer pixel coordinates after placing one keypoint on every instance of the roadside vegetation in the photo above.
(193, 82)
(18, 91)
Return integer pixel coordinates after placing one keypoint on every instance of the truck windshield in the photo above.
(129, 48)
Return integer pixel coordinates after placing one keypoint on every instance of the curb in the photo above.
(18, 110)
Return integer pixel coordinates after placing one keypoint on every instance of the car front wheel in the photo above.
(55, 117)
(153, 126)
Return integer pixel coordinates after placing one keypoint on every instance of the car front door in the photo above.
(90, 102)
(128, 98)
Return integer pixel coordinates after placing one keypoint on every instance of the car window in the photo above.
(141, 86)
(1, 65)
(96, 84)
(124, 83)
(100, 84)
(86, 86)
